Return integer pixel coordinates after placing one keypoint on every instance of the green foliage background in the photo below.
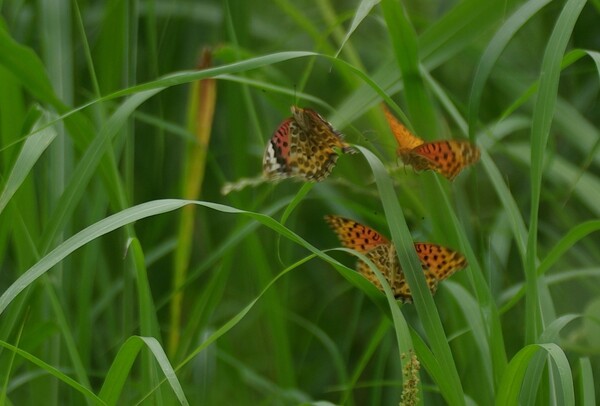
(98, 105)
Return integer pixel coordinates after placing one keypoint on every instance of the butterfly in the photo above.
(304, 147)
(447, 157)
(438, 262)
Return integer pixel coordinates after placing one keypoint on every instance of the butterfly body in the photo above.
(438, 262)
(303, 147)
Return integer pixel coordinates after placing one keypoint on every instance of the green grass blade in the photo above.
(111, 48)
(29, 155)
(67, 334)
(25, 65)
(474, 69)
(121, 366)
(587, 395)
(241, 314)
(492, 52)
(149, 326)
(128, 216)
(472, 314)
(89, 395)
(367, 355)
(322, 337)
(88, 164)
(535, 372)
(510, 387)
(574, 235)
(540, 130)
(163, 361)
(363, 10)
(100, 228)
(405, 46)
(457, 28)
(411, 265)
(403, 338)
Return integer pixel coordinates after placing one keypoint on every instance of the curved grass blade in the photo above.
(535, 370)
(233, 321)
(88, 164)
(92, 232)
(399, 322)
(510, 387)
(25, 65)
(363, 10)
(121, 367)
(574, 235)
(148, 209)
(89, 395)
(32, 149)
(144, 210)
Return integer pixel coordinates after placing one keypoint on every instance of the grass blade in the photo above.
(510, 387)
(29, 155)
(363, 10)
(405, 45)
(587, 395)
(121, 366)
(54, 372)
(492, 52)
(451, 386)
(540, 130)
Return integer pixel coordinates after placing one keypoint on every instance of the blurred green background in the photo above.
(103, 107)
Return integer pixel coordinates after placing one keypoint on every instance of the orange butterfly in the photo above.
(438, 262)
(447, 157)
(303, 147)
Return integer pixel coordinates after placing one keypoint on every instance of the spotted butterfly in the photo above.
(447, 157)
(438, 262)
(303, 147)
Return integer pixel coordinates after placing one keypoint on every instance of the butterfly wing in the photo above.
(278, 160)
(406, 140)
(377, 249)
(325, 137)
(303, 146)
(355, 235)
(314, 156)
(439, 262)
(445, 157)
